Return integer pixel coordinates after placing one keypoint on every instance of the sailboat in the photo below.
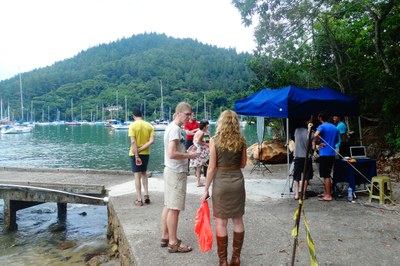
(160, 125)
(17, 129)
(73, 122)
(11, 129)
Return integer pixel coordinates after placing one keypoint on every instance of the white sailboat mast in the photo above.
(126, 109)
(205, 107)
(117, 107)
(20, 91)
(72, 109)
(162, 103)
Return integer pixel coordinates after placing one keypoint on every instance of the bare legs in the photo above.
(297, 189)
(221, 225)
(198, 175)
(141, 179)
(327, 189)
(169, 224)
(164, 227)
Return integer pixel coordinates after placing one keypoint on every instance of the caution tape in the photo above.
(310, 242)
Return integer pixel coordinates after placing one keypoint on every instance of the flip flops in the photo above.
(323, 199)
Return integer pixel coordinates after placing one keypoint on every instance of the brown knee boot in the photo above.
(237, 248)
(222, 242)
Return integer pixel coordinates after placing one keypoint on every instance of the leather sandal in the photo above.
(179, 248)
(147, 199)
(164, 242)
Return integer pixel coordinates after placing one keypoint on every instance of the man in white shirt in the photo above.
(175, 178)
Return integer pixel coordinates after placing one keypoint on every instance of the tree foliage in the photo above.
(350, 45)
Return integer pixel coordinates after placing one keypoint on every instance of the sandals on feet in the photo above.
(164, 242)
(146, 199)
(179, 248)
(138, 203)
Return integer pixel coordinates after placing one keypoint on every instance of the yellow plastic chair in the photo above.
(381, 189)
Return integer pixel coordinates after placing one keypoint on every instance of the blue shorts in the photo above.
(140, 168)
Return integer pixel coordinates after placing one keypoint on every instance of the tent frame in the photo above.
(281, 101)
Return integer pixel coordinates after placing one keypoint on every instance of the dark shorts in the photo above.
(188, 143)
(325, 165)
(299, 167)
(141, 168)
(344, 149)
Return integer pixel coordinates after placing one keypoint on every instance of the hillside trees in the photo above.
(133, 67)
(352, 46)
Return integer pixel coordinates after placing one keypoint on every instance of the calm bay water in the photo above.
(88, 147)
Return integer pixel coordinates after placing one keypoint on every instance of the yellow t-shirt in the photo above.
(142, 131)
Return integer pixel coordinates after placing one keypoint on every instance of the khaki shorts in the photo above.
(174, 189)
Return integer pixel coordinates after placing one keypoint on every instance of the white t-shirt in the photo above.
(174, 132)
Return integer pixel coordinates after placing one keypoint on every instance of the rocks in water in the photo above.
(66, 245)
(57, 227)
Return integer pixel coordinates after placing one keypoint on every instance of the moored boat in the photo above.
(159, 125)
(121, 126)
(9, 129)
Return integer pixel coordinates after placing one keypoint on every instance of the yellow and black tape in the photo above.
(310, 242)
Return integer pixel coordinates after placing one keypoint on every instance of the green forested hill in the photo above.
(132, 68)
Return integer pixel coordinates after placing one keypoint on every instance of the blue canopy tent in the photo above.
(294, 102)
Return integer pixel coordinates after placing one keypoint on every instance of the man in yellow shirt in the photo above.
(141, 134)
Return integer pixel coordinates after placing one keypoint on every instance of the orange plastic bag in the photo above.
(202, 227)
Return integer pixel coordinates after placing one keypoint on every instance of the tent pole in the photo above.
(287, 146)
(359, 130)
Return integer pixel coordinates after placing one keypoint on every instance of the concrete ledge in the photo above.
(66, 170)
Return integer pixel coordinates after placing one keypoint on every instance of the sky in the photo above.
(38, 33)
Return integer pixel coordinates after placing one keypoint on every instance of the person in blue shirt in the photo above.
(342, 146)
(326, 137)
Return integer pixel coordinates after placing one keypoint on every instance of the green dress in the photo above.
(228, 191)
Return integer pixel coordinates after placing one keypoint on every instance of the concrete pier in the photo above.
(24, 188)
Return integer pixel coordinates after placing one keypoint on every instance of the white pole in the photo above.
(144, 109)
(126, 110)
(205, 107)
(287, 146)
(117, 107)
(20, 91)
(162, 103)
(72, 109)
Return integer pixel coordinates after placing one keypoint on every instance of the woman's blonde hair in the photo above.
(228, 134)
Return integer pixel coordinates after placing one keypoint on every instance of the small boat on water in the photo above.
(121, 126)
(73, 123)
(9, 129)
(111, 122)
(159, 125)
